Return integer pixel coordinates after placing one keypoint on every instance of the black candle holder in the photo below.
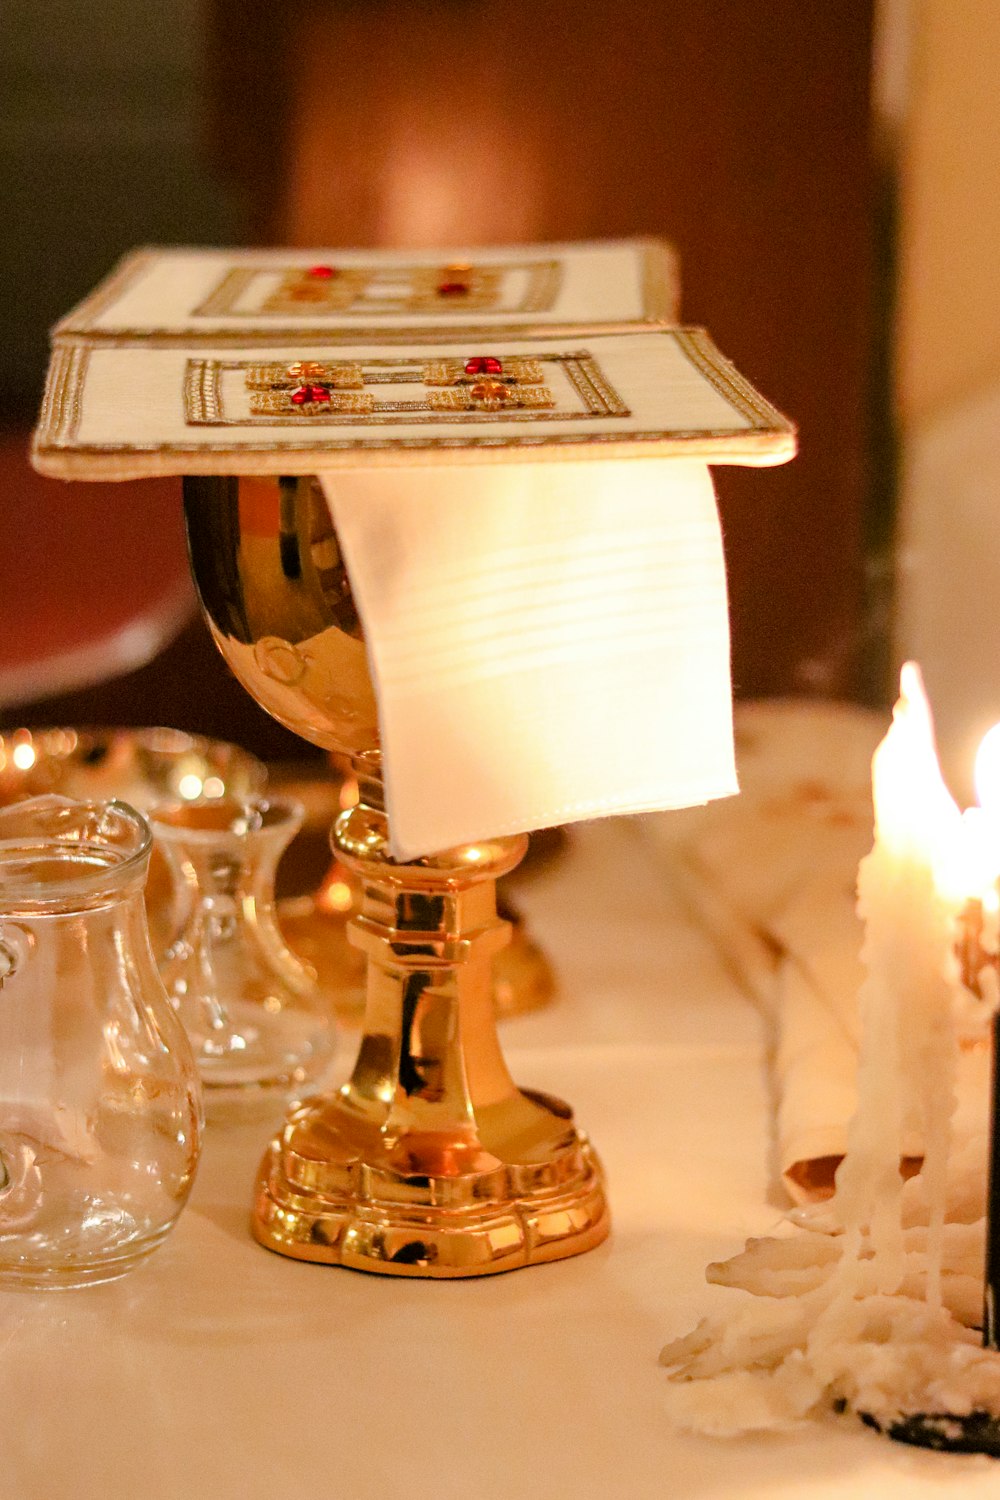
(978, 1432)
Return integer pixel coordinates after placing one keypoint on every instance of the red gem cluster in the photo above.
(309, 393)
(483, 364)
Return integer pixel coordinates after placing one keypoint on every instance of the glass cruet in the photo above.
(100, 1108)
(258, 1022)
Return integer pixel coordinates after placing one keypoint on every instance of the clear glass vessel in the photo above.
(138, 766)
(100, 1108)
(258, 1022)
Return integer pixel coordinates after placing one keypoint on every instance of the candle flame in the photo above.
(987, 771)
(915, 814)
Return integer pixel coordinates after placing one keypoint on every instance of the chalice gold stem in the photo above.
(316, 928)
(429, 1160)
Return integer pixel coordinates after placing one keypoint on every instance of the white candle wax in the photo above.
(906, 1070)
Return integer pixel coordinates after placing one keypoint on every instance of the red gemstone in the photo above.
(483, 364)
(452, 288)
(322, 273)
(309, 393)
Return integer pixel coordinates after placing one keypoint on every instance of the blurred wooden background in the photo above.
(740, 132)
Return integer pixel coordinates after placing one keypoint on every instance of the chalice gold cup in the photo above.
(429, 1161)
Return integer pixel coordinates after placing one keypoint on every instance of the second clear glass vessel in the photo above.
(257, 1020)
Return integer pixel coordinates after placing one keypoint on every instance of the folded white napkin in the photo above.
(548, 641)
(771, 877)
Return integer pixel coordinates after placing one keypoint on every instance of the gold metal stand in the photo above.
(429, 1161)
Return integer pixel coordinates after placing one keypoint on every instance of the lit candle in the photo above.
(968, 875)
(968, 868)
(981, 826)
(906, 1070)
(974, 872)
(858, 1319)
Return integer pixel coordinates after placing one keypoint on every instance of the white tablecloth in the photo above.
(218, 1371)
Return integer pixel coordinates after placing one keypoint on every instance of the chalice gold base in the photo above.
(328, 1191)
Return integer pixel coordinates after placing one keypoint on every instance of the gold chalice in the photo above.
(429, 1161)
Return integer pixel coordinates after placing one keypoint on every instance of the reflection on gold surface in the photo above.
(277, 599)
(430, 1161)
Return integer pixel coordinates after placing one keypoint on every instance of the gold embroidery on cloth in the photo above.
(491, 396)
(574, 388)
(724, 377)
(440, 288)
(454, 372)
(302, 290)
(340, 403)
(62, 404)
(342, 375)
(516, 286)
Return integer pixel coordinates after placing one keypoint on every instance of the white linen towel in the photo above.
(548, 641)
